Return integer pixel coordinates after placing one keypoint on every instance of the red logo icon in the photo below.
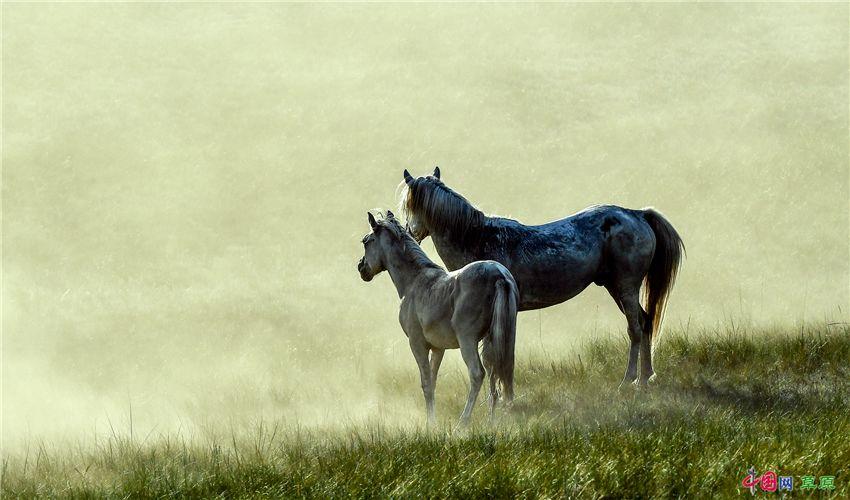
(767, 481)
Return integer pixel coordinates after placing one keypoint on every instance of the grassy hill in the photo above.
(723, 401)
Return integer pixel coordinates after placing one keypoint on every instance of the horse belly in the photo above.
(547, 286)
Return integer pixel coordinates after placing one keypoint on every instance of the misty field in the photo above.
(184, 193)
(723, 401)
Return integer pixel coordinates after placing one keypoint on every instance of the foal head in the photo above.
(377, 245)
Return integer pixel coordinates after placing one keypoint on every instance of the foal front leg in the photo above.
(420, 352)
(436, 359)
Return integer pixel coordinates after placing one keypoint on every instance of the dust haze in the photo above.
(185, 187)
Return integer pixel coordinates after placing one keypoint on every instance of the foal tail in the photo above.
(669, 250)
(503, 333)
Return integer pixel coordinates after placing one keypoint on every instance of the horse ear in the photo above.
(390, 215)
(407, 177)
(372, 221)
(437, 172)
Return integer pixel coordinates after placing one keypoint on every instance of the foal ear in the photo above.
(437, 172)
(372, 221)
(407, 177)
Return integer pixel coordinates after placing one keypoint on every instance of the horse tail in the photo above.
(503, 333)
(669, 250)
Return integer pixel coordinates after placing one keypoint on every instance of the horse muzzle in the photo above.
(365, 272)
(417, 236)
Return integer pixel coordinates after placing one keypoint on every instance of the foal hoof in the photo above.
(461, 426)
(645, 382)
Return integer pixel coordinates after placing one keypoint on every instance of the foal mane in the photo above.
(409, 247)
(441, 208)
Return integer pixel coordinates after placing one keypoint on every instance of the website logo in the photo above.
(770, 482)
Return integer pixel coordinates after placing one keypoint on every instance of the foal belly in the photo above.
(441, 336)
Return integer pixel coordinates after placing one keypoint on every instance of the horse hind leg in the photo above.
(639, 327)
(629, 305)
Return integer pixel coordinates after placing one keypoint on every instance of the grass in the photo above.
(723, 401)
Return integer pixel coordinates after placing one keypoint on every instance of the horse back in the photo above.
(555, 261)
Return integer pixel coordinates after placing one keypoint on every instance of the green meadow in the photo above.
(724, 401)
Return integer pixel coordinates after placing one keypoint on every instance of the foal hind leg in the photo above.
(489, 368)
(469, 353)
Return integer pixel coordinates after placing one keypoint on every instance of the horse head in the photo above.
(415, 222)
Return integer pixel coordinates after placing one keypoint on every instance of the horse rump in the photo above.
(666, 260)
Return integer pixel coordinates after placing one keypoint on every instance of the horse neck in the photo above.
(455, 249)
(404, 268)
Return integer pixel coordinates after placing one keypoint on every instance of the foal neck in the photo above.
(405, 264)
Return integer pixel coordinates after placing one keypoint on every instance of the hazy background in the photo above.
(185, 186)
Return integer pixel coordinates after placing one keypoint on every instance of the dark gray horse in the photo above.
(441, 310)
(614, 247)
